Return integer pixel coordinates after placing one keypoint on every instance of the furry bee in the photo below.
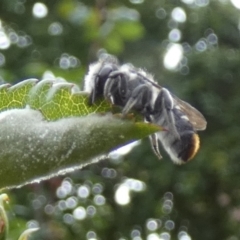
(135, 89)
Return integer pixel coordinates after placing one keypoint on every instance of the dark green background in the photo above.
(203, 195)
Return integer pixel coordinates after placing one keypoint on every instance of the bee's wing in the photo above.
(195, 117)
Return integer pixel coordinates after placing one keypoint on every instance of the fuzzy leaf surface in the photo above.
(47, 128)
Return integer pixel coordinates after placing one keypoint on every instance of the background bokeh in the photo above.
(192, 48)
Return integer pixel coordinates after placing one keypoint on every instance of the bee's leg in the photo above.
(154, 144)
(93, 94)
(165, 104)
(110, 88)
(116, 88)
(139, 100)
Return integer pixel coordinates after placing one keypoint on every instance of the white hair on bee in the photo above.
(94, 68)
(135, 89)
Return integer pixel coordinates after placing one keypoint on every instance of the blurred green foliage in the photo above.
(200, 200)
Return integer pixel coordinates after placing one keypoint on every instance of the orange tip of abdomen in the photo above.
(194, 146)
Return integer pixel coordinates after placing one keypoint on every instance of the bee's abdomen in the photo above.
(190, 147)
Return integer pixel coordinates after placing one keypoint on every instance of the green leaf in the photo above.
(15, 96)
(54, 98)
(49, 129)
(32, 148)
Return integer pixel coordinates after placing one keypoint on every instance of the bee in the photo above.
(135, 89)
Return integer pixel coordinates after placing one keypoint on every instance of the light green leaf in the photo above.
(15, 96)
(50, 129)
(54, 98)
